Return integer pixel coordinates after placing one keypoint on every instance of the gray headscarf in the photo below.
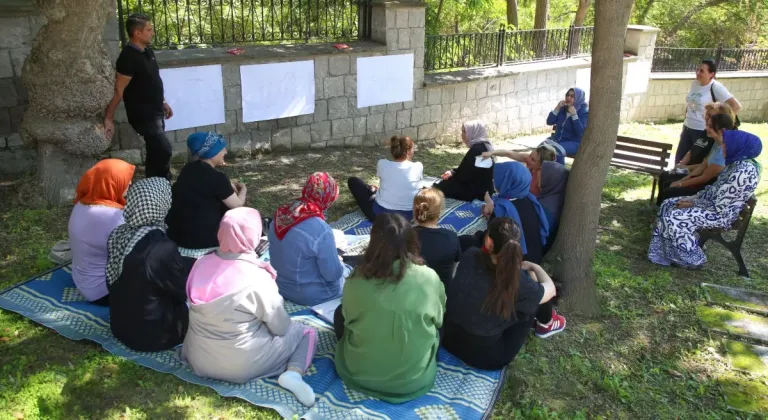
(147, 203)
(554, 178)
(477, 132)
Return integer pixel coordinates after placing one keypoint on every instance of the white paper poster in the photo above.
(196, 95)
(583, 80)
(277, 90)
(384, 80)
(637, 77)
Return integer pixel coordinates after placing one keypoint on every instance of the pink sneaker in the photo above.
(555, 326)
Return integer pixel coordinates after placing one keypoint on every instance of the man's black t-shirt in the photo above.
(197, 208)
(700, 149)
(440, 249)
(143, 96)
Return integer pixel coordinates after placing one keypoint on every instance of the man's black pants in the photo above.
(158, 161)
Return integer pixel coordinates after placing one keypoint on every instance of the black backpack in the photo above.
(736, 123)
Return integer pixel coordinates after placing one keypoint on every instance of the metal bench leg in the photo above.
(653, 189)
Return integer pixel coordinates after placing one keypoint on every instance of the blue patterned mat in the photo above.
(460, 392)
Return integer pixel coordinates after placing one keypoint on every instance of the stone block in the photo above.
(322, 67)
(420, 116)
(9, 96)
(338, 108)
(206, 128)
(6, 68)
(318, 145)
(378, 109)
(342, 128)
(181, 135)
(435, 113)
(338, 65)
(417, 40)
(5, 122)
(392, 39)
(300, 137)
(14, 32)
(320, 131)
(128, 138)
(359, 125)
(434, 96)
(403, 39)
(240, 145)
(448, 95)
(370, 140)
(261, 141)
(481, 90)
(132, 156)
(411, 132)
(14, 141)
(530, 80)
(232, 98)
(402, 18)
(36, 23)
(418, 54)
(281, 139)
(179, 153)
(427, 131)
(321, 111)
(397, 106)
(484, 105)
(335, 144)
(416, 18)
(353, 142)
(455, 112)
(420, 98)
(286, 122)
(354, 111)
(494, 87)
(333, 87)
(230, 74)
(403, 118)
(266, 125)
(350, 86)
(460, 93)
(471, 91)
(375, 124)
(305, 119)
(390, 120)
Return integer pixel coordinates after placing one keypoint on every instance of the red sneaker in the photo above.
(555, 326)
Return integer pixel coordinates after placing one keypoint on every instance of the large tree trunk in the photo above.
(540, 22)
(69, 77)
(574, 249)
(690, 14)
(512, 13)
(581, 13)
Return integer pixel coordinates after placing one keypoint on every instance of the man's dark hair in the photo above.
(134, 22)
(711, 65)
(721, 122)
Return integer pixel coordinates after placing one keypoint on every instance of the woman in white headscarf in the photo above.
(146, 275)
(469, 182)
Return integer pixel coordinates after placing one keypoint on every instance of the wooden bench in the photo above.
(646, 156)
(740, 226)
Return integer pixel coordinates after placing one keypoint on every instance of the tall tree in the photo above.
(691, 13)
(542, 12)
(574, 249)
(512, 13)
(581, 13)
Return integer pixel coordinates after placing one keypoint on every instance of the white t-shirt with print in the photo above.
(698, 97)
(399, 183)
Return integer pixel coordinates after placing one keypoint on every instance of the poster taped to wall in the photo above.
(196, 95)
(384, 80)
(277, 90)
(636, 80)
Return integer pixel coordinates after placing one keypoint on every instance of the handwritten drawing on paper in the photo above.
(196, 95)
(277, 90)
(384, 80)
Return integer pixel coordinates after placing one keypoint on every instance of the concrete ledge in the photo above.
(723, 75)
(401, 4)
(266, 53)
(643, 28)
(472, 75)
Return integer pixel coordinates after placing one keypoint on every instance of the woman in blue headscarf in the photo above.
(675, 239)
(514, 200)
(202, 194)
(570, 120)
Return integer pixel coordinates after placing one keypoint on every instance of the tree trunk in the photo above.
(575, 33)
(581, 13)
(644, 13)
(691, 13)
(511, 13)
(574, 249)
(69, 77)
(540, 22)
(439, 12)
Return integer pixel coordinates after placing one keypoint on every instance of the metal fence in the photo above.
(207, 23)
(668, 59)
(482, 49)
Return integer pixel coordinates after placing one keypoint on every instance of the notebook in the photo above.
(326, 310)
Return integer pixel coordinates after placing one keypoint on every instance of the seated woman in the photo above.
(389, 318)
(515, 200)
(238, 327)
(440, 247)
(696, 176)
(146, 275)
(468, 182)
(535, 161)
(99, 203)
(494, 298)
(202, 194)
(552, 183)
(399, 182)
(302, 247)
(570, 120)
(675, 239)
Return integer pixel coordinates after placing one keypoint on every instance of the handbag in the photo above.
(736, 123)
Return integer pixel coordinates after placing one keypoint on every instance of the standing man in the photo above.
(138, 82)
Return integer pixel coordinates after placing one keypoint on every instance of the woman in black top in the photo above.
(439, 246)
(493, 299)
(146, 275)
(202, 194)
(468, 182)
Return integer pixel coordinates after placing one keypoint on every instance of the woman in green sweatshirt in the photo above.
(392, 308)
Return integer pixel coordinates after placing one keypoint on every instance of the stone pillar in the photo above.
(640, 42)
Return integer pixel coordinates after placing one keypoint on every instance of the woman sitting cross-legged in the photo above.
(302, 247)
(146, 275)
(675, 237)
(468, 182)
(515, 200)
(389, 318)
(202, 194)
(570, 120)
(238, 327)
(440, 247)
(99, 203)
(399, 182)
(494, 298)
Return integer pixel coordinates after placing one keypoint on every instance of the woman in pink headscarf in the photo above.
(238, 327)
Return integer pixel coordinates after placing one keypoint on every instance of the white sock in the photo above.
(293, 382)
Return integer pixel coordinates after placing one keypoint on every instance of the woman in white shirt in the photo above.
(694, 144)
(400, 180)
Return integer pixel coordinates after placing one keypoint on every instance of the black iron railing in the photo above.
(668, 59)
(207, 23)
(446, 52)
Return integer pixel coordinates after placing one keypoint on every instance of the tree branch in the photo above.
(691, 13)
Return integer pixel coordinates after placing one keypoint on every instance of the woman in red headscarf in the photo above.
(99, 203)
(302, 248)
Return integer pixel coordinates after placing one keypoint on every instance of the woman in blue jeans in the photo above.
(570, 120)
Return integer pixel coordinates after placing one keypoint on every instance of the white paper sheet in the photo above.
(326, 310)
(637, 77)
(481, 162)
(384, 80)
(583, 80)
(196, 95)
(277, 90)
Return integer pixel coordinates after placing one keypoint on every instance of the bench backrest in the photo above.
(641, 155)
(746, 214)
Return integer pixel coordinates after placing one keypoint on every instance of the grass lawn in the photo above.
(646, 356)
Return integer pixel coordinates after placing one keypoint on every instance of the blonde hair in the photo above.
(714, 108)
(428, 205)
(546, 153)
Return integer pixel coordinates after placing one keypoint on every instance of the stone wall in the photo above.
(665, 99)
